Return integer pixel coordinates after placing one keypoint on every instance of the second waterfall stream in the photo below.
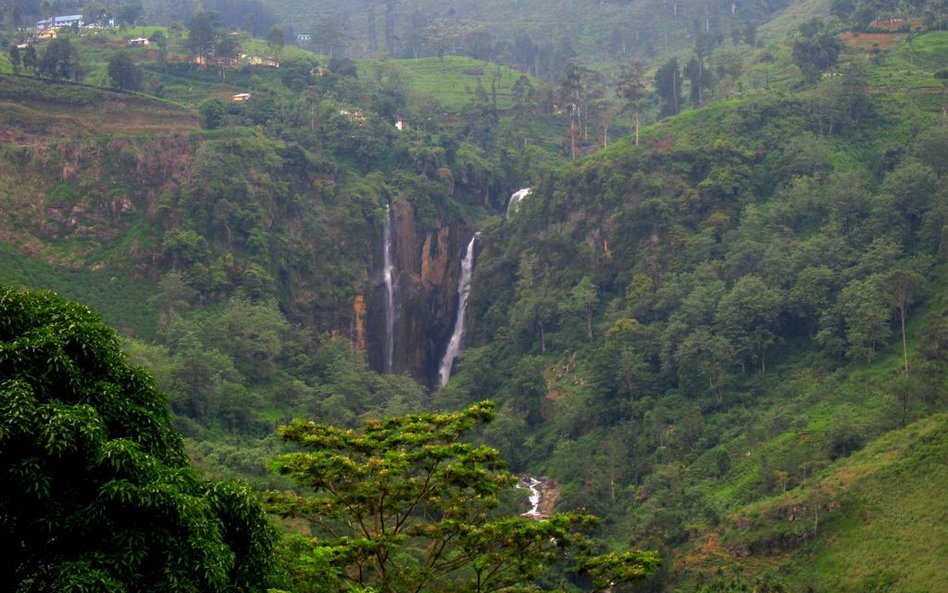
(455, 344)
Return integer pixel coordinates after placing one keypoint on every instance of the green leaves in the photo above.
(95, 491)
(404, 505)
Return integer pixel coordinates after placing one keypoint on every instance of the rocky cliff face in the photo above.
(142, 207)
(90, 194)
(427, 263)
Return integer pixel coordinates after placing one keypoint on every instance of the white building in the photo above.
(58, 22)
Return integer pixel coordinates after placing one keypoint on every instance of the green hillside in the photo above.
(864, 523)
(454, 81)
(725, 337)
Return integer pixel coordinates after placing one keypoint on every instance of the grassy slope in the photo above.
(452, 81)
(895, 531)
(31, 108)
(877, 520)
(118, 298)
(35, 115)
(786, 22)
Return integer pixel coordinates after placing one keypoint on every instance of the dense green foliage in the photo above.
(95, 490)
(404, 505)
(743, 260)
(699, 335)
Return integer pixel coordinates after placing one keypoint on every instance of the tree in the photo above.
(30, 59)
(696, 71)
(523, 92)
(59, 60)
(95, 488)
(226, 50)
(632, 89)
(668, 87)
(866, 317)
(536, 301)
(129, 12)
(125, 74)
(814, 54)
(16, 59)
(747, 317)
(403, 505)
(328, 36)
(440, 36)
(709, 356)
(253, 334)
(903, 287)
(276, 40)
(580, 301)
(212, 113)
(161, 41)
(201, 35)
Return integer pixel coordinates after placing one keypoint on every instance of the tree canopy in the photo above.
(95, 489)
(406, 505)
(125, 74)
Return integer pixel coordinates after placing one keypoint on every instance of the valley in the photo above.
(700, 279)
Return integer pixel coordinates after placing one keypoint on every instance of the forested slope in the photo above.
(728, 340)
(719, 317)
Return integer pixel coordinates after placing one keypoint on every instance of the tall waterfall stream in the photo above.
(455, 344)
(388, 273)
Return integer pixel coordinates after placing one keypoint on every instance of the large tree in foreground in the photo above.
(405, 505)
(95, 490)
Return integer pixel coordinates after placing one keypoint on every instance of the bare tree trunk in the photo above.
(902, 313)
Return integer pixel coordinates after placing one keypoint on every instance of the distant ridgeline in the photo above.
(536, 36)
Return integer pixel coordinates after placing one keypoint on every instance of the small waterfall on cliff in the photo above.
(464, 291)
(533, 485)
(388, 275)
(516, 198)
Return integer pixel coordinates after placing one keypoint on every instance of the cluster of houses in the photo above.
(59, 22)
(47, 28)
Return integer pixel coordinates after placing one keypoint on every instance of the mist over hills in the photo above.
(529, 33)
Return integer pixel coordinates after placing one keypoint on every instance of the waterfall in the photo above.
(388, 274)
(516, 198)
(464, 291)
(533, 485)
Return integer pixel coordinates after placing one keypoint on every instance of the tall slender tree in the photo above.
(633, 90)
(668, 87)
